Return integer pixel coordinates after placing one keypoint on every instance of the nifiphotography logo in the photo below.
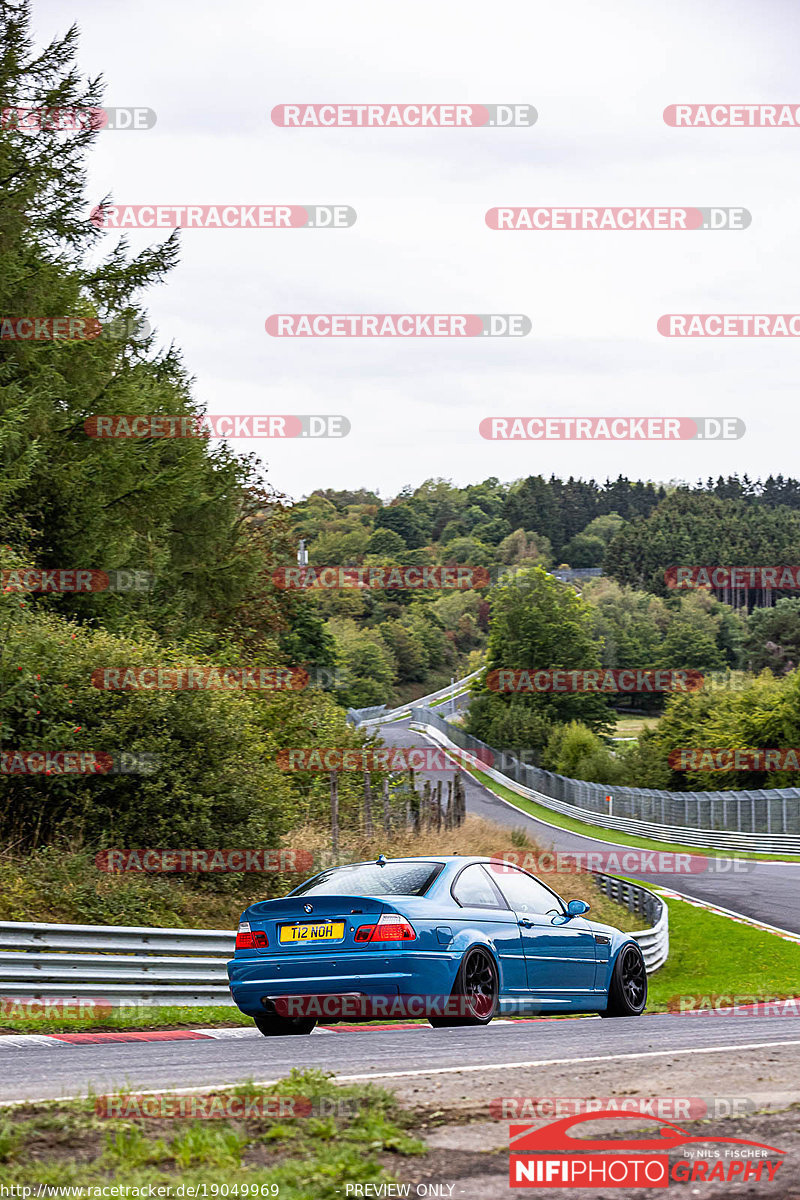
(550, 1156)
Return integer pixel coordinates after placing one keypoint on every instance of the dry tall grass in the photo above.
(475, 836)
(64, 884)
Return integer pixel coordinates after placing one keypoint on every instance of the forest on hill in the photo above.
(206, 532)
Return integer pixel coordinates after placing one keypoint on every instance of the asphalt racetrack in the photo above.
(766, 891)
(503, 1055)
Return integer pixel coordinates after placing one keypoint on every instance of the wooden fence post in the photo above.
(460, 800)
(335, 812)
(387, 825)
(368, 804)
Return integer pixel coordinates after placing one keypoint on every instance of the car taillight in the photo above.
(389, 929)
(247, 940)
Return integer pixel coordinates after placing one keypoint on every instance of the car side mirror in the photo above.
(576, 908)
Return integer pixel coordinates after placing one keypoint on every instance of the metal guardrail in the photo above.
(131, 965)
(571, 574)
(357, 716)
(776, 811)
(372, 716)
(115, 964)
(654, 940)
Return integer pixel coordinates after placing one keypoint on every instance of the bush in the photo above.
(575, 751)
(585, 551)
(386, 541)
(216, 783)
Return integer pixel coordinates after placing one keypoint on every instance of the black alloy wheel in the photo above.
(282, 1026)
(475, 995)
(627, 994)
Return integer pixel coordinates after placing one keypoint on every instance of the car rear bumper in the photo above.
(365, 973)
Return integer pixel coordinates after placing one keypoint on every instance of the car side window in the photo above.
(474, 889)
(523, 892)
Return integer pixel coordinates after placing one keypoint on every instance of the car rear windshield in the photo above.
(369, 879)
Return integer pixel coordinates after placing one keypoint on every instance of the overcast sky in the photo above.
(600, 77)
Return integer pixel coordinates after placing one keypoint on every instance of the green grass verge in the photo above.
(354, 1135)
(447, 699)
(609, 835)
(131, 1017)
(711, 955)
(633, 726)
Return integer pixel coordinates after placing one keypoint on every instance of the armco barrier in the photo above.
(762, 822)
(374, 716)
(357, 716)
(654, 940)
(119, 965)
(115, 963)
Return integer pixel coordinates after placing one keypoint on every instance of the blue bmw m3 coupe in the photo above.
(456, 940)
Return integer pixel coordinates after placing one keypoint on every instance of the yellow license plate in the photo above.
(312, 933)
